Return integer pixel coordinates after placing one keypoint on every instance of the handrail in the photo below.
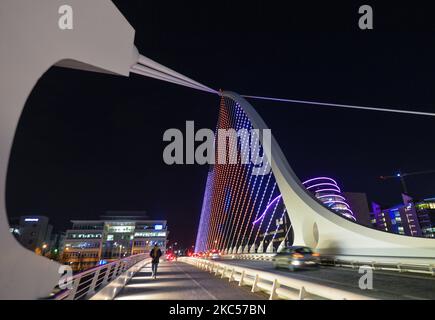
(87, 283)
(352, 262)
(277, 286)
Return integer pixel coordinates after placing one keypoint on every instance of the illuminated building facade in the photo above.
(327, 191)
(92, 242)
(411, 219)
(34, 232)
(399, 219)
(426, 217)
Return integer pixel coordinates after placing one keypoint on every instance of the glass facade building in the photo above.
(416, 219)
(426, 217)
(92, 242)
(327, 191)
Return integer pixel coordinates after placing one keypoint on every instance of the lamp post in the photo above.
(79, 267)
(120, 250)
(44, 247)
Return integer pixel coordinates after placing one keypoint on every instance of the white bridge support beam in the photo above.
(270, 248)
(261, 247)
(317, 227)
(30, 43)
(281, 246)
(252, 249)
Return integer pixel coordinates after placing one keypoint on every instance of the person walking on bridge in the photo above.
(155, 254)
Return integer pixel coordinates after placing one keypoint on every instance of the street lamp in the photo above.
(120, 248)
(44, 246)
(79, 266)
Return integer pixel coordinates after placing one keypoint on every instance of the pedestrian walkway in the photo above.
(180, 281)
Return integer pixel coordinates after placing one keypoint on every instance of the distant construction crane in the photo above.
(402, 176)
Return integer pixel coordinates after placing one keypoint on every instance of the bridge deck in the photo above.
(178, 280)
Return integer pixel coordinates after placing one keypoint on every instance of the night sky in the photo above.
(89, 142)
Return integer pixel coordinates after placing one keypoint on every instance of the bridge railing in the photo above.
(352, 262)
(102, 282)
(277, 286)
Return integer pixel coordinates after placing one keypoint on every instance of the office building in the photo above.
(412, 218)
(34, 233)
(92, 242)
(327, 191)
(426, 217)
(360, 207)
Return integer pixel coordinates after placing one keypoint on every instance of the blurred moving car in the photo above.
(215, 255)
(297, 257)
(170, 257)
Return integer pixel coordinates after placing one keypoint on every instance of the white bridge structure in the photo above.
(102, 40)
(312, 223)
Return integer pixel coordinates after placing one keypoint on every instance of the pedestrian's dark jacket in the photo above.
(155, 253)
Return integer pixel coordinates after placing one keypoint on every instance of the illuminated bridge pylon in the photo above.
(256, 213)
(242, 210)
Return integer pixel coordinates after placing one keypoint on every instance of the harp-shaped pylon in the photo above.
(242, 211)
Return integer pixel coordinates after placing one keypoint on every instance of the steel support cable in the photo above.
(169, 72)
(241, 179)
(215, 171)
(233, 123)
(213, 182)
(255, 202)
(271, 218)
(256, 197)
(262, 220)
(233, 184)
(202, 234)
(327, 104)
(225, 122)
(148, 72)
(246, 209)
(257, 192)
(240, 122)
(246, 191)
(150, 68)
(288, 230)
(260, 206)
(277, 227)
(245, 188)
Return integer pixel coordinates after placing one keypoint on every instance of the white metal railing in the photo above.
(352, 262)
(86, 284)
(251, 256)
(277, 286)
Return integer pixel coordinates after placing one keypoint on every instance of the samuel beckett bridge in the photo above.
(248, 214)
